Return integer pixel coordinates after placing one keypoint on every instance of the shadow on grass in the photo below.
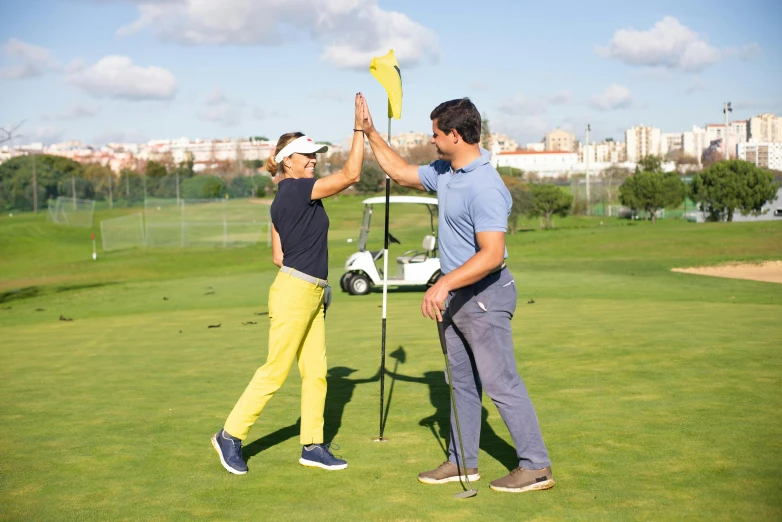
(20, 293)
(439, 421)
(35, 291)
(84, 286)
(340, 393)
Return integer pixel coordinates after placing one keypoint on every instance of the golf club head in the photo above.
(466, 494)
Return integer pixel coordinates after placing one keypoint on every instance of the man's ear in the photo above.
(455, 136)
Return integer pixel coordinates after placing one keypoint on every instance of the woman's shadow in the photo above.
(440, 425)
(340, 393)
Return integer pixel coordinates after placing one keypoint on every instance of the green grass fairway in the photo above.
(659, 393)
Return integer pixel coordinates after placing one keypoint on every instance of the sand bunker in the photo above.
(768, 272)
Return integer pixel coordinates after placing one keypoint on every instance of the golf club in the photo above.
(470, 491)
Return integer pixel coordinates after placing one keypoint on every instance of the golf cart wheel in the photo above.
(344, 281)
(358, 285)
(435, 277)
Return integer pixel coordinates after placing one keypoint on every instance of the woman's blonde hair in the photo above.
(271, 164)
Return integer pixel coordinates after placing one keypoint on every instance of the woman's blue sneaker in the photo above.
(230, 451)
(320, 456)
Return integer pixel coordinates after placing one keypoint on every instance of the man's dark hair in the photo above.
(461, 115)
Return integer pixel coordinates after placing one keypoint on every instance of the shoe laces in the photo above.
(447, 462)
(329, 446)
(237, 443)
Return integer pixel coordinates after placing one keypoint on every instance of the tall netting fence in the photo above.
(123, 232)
(72, 212)
(219, 222)
(602, 199)
(190, 222)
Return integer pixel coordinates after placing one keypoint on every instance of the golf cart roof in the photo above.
(401, 199)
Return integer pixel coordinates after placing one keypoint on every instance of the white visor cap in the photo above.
(302, 145)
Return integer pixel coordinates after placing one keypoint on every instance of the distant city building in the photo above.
(537, 147)
(503, 143)
(605, 152)
(694, 142)
(765, 128)
(560, 140)
(670, 142)
(641, 142)
(767, 155)
(546, 163)
(738, 131)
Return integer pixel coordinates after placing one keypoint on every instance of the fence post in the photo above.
(182, 217)
(225, 223)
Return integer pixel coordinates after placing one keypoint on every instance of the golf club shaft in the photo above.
(441, 332)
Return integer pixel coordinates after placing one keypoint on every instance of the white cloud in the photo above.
(352, 31)
(117, 77)
(74, 112)
(33, 60)
(697, 84)
(750, 51)
(329, 95)
(121, 136)
(651, 74)
(522, 105)
(561, 98)
(48, 134)
(668, 44)
(215, 97)
(526, 129)
(222, 109)
(226, 115)
(260, 114)
(614, 97)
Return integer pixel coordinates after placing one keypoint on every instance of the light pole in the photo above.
(727, 109)
(586, 158)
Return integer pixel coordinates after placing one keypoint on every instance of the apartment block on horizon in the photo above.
(765, 128)
(560, 140)
(766, 155)
(642, 141)
(503, 143)
(604, 152)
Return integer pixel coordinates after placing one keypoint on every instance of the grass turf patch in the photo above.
(658, 393)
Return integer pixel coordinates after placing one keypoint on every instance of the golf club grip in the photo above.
(441, 333)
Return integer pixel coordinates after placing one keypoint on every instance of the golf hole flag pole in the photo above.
(386, 70)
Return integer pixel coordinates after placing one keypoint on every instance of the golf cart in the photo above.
(414, 267)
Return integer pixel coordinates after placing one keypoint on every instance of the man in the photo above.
(476, 296)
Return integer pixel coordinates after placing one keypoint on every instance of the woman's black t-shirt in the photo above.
(303, 227)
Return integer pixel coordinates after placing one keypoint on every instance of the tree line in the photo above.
(58, 176)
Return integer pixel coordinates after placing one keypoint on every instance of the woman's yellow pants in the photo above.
(297, 331)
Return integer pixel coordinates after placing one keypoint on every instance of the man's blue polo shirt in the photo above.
(471, 199)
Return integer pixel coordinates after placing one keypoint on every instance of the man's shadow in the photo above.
(340, 393)
(440, 425)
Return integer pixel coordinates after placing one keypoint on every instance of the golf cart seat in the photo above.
(419, 256)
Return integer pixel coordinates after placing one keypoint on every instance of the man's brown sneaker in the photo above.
(447, 472)
(521, 479)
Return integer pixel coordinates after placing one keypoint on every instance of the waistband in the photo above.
(304, 277)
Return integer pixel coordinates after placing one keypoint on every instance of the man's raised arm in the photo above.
(392, 163)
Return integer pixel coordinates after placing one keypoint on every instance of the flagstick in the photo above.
(385, 295)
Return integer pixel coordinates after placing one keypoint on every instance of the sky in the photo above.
(104, 71)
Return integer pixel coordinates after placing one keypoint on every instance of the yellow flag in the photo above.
(386, 70)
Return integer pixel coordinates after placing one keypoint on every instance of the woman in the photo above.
(296, 298)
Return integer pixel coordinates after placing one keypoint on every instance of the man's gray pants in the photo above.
(480, 351)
